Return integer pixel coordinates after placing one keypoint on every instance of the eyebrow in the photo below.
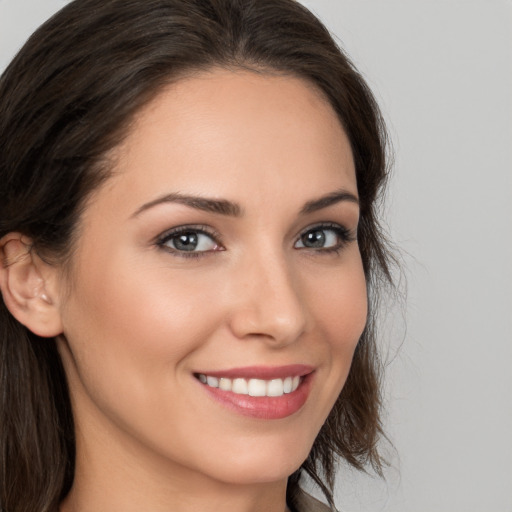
(328, 200)
(220, 206)
(231, 209)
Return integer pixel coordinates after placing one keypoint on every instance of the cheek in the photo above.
(340, 313)
(340, 308)
(130, 328)
(131, 334)
(145, 309)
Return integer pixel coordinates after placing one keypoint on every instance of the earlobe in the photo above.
(26, 287)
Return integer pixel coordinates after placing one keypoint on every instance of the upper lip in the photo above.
(261, 372)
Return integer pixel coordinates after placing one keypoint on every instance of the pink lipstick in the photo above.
(263, 392)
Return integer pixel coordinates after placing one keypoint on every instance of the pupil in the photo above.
(186, 242)
(314, 239)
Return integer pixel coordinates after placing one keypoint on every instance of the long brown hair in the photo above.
(66, 100)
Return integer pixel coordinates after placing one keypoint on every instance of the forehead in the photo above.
(225, 133)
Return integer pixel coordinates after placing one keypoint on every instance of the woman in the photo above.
(190, 256)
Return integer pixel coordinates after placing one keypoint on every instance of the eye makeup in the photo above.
(190, 241)
(193, 241)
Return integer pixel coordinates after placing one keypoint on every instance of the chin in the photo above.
(258, 465)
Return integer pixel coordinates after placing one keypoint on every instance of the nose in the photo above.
(268, 302)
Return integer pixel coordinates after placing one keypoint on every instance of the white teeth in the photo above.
(252, 387)
(225, 384)
(275, 387)
(212, 382)
(257, 387)
(240, 387)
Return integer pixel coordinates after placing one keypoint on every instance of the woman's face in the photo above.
(221, 255)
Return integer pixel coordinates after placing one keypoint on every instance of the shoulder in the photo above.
(306, 503)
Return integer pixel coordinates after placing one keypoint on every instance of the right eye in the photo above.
(187, 241)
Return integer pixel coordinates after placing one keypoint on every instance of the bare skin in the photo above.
(146, 310)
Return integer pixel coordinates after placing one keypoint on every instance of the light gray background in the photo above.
(442, 71)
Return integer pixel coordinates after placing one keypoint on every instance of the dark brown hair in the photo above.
(66, 100)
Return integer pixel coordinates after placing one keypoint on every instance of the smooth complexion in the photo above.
(256, 175)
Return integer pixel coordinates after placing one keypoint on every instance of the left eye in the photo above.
(321, 238)
(190, 241)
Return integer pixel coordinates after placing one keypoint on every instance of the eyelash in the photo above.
(344, 235)
(180, 230)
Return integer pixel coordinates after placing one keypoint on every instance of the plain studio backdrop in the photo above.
(442, 72)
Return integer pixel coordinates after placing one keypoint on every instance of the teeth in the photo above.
(252, 387)
(275, 387)
(212, 382)
(257, 387)
(225, 384)
(240, 387)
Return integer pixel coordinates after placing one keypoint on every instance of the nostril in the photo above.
(267, 325)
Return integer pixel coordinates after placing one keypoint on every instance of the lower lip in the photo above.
(263, 407)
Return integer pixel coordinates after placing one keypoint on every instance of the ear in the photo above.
(29, 286)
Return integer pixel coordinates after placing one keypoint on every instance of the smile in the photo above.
(260, 392)
(253, 387)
